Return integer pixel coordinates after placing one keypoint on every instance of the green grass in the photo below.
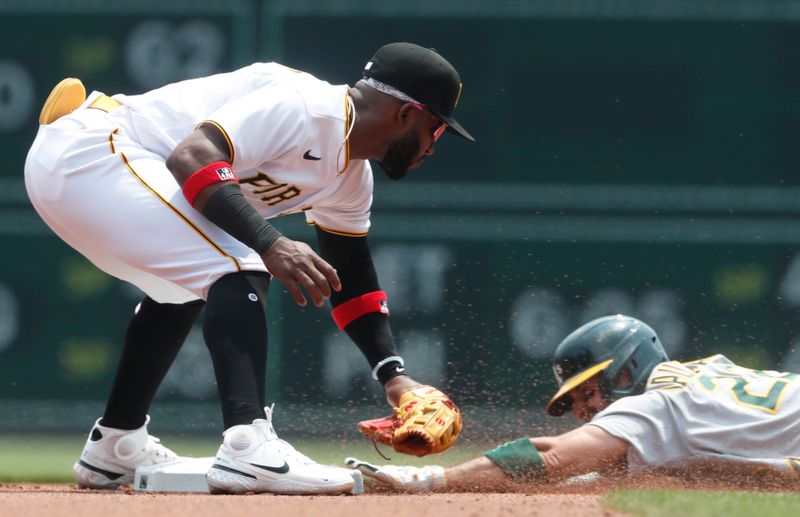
(671, 503)
(43, 459)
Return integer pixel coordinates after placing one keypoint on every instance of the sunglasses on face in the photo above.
(442, 125)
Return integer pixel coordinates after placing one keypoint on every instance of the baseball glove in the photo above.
(426, 422)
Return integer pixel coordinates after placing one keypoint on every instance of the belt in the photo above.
(105, 103)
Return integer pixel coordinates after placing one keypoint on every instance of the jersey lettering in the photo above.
(671, 375)
(742, 384)
(269, 190)
(762, 390)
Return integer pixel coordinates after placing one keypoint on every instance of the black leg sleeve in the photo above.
(235, 329)
(155, 334)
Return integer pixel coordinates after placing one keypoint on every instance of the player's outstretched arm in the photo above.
(527, 461)
(201, 166)
(582, 450)
(424, 420)
(361, 309)
(540, 460)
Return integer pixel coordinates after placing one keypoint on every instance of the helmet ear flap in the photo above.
(624, 378)
(616, 383)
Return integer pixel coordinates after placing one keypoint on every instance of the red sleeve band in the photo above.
(376, 301)
(212, 173)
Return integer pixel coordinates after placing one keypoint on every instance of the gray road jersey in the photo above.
(711, 411)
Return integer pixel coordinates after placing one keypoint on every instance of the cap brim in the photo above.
(561, 403)
(454, 127)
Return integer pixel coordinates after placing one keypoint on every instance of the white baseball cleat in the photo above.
(253, 459)
(408, 479)
(110, 456)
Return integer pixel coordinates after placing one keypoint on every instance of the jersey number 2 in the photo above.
(768, 401)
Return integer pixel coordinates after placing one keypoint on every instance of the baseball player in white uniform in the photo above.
(644, 413)
(171, 190)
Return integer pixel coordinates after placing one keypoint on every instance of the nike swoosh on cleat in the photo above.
(107, 473)
(232, 471)
(283, 469)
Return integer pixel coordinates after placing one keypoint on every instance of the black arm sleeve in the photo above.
(230, 210)
(353, 261)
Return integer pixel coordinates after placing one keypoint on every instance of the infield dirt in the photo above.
(28, 500)
(584, 500)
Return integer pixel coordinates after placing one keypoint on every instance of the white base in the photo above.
(189, 475)
(183, 475)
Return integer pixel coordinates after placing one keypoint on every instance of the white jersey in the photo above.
(287, 135)
(709, 411)
(98, 177)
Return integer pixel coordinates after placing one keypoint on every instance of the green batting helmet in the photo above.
(624, 349)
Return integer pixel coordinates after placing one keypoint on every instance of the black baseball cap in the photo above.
(422, 74)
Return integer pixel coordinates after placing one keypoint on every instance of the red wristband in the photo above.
(376, 301)
(212, 173)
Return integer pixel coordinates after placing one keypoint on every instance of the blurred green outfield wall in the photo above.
(636, 157)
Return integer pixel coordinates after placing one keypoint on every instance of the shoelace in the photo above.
(295, 454)
(290, 450)
(154, 446)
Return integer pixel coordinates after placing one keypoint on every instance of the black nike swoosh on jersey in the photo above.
(308, 156)
(283, 469)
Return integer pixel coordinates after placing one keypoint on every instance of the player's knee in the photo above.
(236, 311)
(251, 286)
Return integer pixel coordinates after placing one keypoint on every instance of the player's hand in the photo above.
(296, 265)
(410, 479)
(396, 386)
